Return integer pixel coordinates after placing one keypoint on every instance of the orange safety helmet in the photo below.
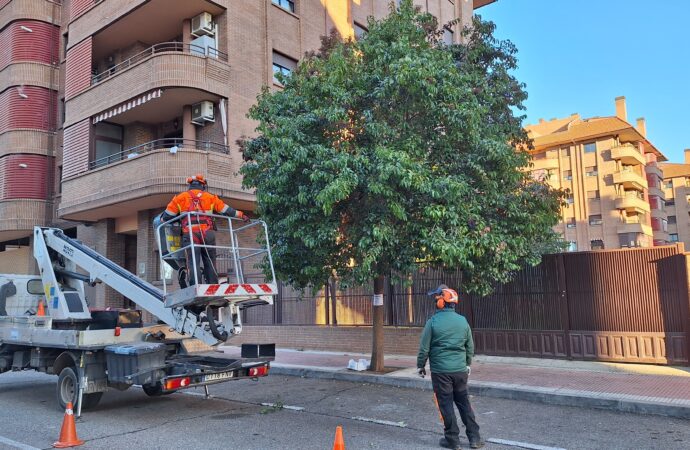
(443, 295)
(198, 178)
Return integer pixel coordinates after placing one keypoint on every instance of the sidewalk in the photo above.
(638, 388)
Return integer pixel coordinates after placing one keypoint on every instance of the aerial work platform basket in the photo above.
(229, 264)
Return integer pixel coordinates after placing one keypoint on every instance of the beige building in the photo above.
(676, 187)
(609, 170)
(107, 106)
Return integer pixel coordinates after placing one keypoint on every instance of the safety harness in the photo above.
(200, 223)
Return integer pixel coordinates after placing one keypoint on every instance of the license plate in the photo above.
(219, 376)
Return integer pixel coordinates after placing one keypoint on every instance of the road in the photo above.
(236, 419)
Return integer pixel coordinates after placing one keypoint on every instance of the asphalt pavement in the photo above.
(286, 412)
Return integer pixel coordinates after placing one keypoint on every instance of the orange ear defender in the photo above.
(443, 295)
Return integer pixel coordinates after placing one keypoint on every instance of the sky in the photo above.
(577, 56)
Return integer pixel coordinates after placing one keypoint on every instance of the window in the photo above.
(65, 39)
(596, 244)
(591, 147)
(673, 237)
(569, 199)
(592, 195)
(285, 4)
(360, 30)
(572, 246)
(664, 225)
(567, 175)
(565, 152)
(595, 220)
(538, 156)
(282, 65)
(591, 171)
(62, 112)
(447, 36)
(671, 220)
(571, 223)
(59, 180)
(108, 144)
(670, 202)
(668, 184)
(687, 182)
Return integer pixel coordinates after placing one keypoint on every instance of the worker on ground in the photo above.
(447, 343)
(196, 199)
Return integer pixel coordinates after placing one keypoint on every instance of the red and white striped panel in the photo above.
(237, 290)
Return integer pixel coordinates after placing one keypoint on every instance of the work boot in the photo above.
(443, 442)
(477, 443)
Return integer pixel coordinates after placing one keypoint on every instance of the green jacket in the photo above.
(447, 342)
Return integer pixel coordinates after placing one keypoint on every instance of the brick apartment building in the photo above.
(676, 186)
(106, 106)
(609, 169)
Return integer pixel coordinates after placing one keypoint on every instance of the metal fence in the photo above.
(620, 305)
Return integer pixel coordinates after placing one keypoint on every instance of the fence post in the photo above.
(327, 302)
(334, 293)
(563, 301)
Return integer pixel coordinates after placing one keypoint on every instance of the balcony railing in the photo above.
(170, 144)
(163, 47)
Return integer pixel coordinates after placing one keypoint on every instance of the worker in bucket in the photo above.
(196, 199)
(447, 343)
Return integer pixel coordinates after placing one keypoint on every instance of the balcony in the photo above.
(632, 202)
(628, 154)
(545, 164)
(630, 180)
(659, 214)
(43, 11)
(189, 77)
(19, 217)
(661, 236)
(634, 227)
(655, 191)
(653, 168)
(119, 19)
(147, 177)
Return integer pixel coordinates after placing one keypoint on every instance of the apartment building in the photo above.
(676, 187)
(609, 170)
(108, 105)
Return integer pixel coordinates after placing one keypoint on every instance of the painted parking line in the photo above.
(15, 444)
(522, 444)
(381, 422)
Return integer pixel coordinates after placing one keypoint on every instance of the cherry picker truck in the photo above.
(46, 323)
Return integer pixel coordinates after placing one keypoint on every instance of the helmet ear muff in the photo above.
(440, 303)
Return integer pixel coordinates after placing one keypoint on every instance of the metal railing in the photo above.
(163, 47)
(170, 144)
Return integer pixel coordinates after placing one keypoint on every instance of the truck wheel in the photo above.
(68, 391)
(154, 390)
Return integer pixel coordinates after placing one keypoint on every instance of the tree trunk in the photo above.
(377, 327)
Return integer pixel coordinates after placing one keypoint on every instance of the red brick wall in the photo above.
(36, 111)
(398, 340)
(31, 181)
(39, 45)
(78, 68)
(75, 154)
(79, 7)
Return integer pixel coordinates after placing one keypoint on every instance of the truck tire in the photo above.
(68, 391)
(154, 390)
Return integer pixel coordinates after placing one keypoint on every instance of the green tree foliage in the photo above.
(396, 150)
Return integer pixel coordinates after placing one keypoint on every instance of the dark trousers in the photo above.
(449, 389)
(205, 257)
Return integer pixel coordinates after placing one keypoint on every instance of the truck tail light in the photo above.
(258, 371)
(177, 383)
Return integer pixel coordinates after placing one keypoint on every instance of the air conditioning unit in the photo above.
(202, 25)
(202, 112)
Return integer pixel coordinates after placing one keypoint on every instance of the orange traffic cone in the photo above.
(68, 433)
(339, 443)
(41, 309)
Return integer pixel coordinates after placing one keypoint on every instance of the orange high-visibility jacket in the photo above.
(197, 201)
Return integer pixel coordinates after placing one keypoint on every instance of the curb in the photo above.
(551, 396)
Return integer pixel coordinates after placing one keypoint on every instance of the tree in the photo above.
(394, 151)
